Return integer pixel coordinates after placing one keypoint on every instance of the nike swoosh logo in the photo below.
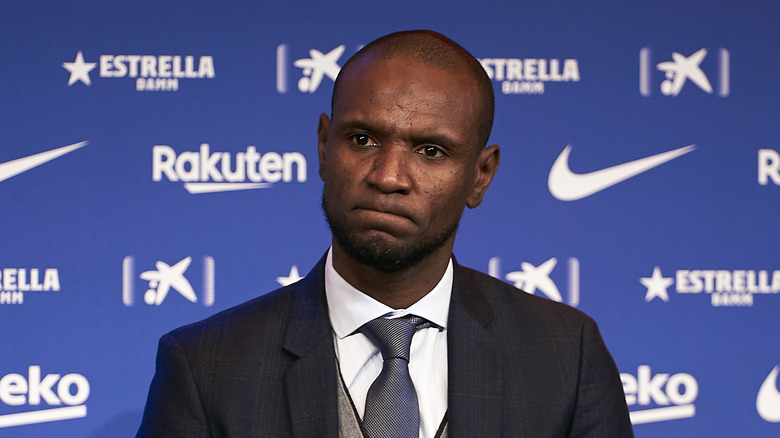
(768, 399)
(15, 167)
(569, 186)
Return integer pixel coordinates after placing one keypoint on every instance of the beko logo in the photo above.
(672, 395)
(71, 390)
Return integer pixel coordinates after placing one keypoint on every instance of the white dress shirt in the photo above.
(361, 362)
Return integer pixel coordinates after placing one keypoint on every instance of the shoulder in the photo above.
(253, 328)
(549, 349)
(253, 314)
(265, 317)
(512, 305)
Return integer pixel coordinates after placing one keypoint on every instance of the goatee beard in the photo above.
(380, 255)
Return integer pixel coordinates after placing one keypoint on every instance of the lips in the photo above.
(394, 210)
(383, 217)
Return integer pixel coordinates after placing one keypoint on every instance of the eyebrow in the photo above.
(357, 124)
(437, 139)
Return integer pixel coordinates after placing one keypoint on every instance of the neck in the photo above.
(399, 289)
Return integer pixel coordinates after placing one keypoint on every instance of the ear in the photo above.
(487, 165)
(323, 127)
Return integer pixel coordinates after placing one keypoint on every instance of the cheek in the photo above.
(453, 195)
(340, 185)
(443, 198)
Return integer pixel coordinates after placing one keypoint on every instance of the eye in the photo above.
(430, 151)
(363, 140)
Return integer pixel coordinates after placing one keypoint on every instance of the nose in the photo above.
(390, 171)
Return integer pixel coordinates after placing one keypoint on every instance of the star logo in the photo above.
(656, 285)
(536, 277)
(290, 278)
(79, 70)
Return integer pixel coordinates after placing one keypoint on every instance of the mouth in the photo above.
(392, 210)
(391, 219)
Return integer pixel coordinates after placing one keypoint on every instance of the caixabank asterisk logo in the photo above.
(162, 278)
(707, 73)
(537, 278)
(310, 71)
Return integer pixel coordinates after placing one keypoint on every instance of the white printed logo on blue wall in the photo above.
(12, 168)
(768, 167)
(71, 390)
(516, 76)
(530, 75)
(569, 186)
(150, 72)
(291, 278)
(726, 288)
(313, 69)
(682, 70)
(531, 278)
(163, 279)
(660, 397)
(16, 282)
(209, 172)
(768, 398)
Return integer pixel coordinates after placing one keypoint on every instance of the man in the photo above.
(401, 156)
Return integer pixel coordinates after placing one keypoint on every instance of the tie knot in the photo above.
(393, 336)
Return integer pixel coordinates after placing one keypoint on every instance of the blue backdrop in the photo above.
(127, 226)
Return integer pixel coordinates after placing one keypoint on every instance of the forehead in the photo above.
(404, 88)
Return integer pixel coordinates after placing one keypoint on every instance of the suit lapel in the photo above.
(475, 367)
(311, 380)
(474, 361)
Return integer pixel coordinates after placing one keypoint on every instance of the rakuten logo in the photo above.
(207, 172)
(17, 390)
(676, 393)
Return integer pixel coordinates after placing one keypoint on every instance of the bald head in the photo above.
(431, 50)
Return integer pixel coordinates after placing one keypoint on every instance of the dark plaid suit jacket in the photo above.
(519, 366)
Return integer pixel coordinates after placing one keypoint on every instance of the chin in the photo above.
(387, 254)
(383, 252)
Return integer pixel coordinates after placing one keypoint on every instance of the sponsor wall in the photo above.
(157, 165)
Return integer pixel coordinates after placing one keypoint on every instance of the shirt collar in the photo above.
(350, 308)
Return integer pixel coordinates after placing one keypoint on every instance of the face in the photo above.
(400, 161)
